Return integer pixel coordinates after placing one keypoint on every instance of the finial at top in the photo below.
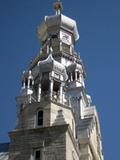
(58, 7)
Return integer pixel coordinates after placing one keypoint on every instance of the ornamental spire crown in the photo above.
(58, 30)
(58, 7)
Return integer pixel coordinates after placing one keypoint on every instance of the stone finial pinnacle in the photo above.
(58, 7)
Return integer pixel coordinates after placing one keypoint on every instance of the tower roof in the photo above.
(56, 22)
(50, 64)
(74, 66)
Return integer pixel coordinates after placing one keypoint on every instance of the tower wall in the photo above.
(51, 142)
(72, 152)
(54, 142)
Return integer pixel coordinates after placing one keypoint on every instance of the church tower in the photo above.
(55, 116)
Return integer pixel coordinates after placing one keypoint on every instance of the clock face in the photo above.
(66, 38)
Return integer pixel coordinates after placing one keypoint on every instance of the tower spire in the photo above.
(58, 7)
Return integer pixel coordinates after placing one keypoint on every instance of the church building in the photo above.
(55, 117)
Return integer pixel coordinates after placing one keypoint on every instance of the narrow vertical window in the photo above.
(40, 118)
(37, 155)
(78, 75)
(30, 82)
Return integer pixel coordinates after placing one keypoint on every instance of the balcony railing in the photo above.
(55, 97)
(45, 96)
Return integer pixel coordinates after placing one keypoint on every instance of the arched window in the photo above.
(78, 75)
(37, 154)
(40, 118)
(30, 82)
(73, 74)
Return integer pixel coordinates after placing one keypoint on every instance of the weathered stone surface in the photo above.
(51, 141)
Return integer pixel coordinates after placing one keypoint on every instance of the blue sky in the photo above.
(99, 45)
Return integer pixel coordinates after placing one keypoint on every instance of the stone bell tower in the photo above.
(55, 118)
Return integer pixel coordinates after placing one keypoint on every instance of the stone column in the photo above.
(76, 75)
(71, 77)
(61, 93)
(48, 49)
(51, 89)
(71, 49)
(81, 105)
(60, 45)
(28, 83)
(39, 92)
(23, 84)
(80, 78)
